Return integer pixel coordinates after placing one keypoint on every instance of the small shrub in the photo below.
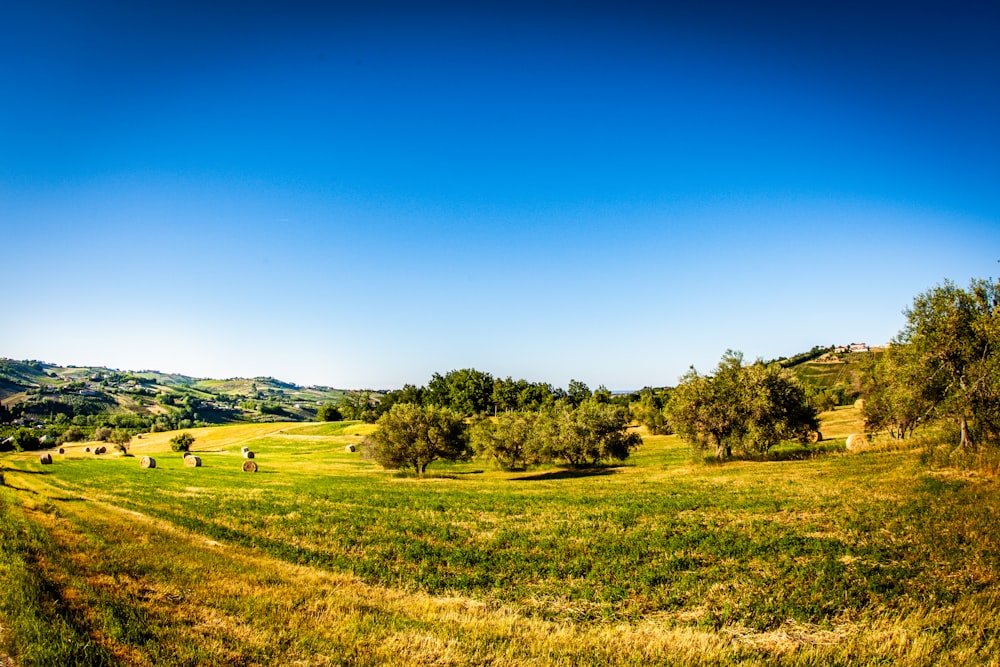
(102, 433)
(182, 442)
(73, 434)
(328, 413)
(121, 439)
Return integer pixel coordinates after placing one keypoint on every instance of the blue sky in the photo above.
(363, 195)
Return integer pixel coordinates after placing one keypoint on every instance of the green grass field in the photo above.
(324, 558)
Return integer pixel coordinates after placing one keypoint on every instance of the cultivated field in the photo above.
(323, 558)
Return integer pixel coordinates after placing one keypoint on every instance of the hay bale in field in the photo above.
(147, 462)
(100, 450)
(249, 466)
(45, 459)
(857, 441)
(86, 449)
(244, 449)
(248, 454)
(192, 461)
(814, 437)
(860, 404)
(349, 448)
(62, 451)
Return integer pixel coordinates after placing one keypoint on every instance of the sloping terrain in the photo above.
(322, 557)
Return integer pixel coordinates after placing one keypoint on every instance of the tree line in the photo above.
(412, 436)
(469, 392)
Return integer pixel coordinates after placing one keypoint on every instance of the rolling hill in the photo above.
(41, 389)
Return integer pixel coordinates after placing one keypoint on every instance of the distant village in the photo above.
(853, 347)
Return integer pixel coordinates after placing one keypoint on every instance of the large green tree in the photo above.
(649, 411)
(898, 398)
(954, 335)
(744, 408)
(586, 434)
(414, 436)
(328, 412)
(504, 438)
(466, 391)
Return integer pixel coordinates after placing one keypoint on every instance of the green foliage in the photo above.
(577, 392)
(25, 440)
(414, 436)
(121, 439)
(359, 405)
(408, 394)
(954, 356)
(649, 411)
(182, 442)
(596, 432)
(505, 394)
(802, 357)
(744, 408)
(897, 398)
(328, 413)
(466, 391)
(586, 434)
(505, 439)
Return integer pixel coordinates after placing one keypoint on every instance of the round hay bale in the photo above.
(856, 442)
(192, 461)
(62, 451)
(860, 404)
(244, 449)
(349, 448)
(45, 459)
(86, 449)
(814, 437)
(147, 462)
(100, 450)
(248, 454)
(249, 466)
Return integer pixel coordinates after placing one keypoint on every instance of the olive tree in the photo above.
(181, 442)
(587, 434)
(898, 398)
(413, 436)
(954, 336)
(121, 438)
(504, 438)
(745, 408)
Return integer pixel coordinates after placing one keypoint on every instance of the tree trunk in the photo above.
(966, 442)
(722, 451)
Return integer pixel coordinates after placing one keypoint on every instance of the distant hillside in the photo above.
(40, 390)
(838, 374)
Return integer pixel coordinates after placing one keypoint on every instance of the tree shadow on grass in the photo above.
(568, 473)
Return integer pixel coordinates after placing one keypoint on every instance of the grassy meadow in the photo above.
(322, 557)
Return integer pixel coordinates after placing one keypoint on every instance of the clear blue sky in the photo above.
(367, 194)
